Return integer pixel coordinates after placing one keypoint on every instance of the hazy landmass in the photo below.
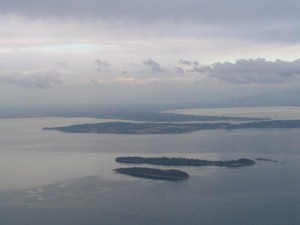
(152, 173)
(142, 114)
(171, 128)
(164, 161)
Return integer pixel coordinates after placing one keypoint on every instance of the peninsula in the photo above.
(164, 161)
(171, 128)
(152, 173)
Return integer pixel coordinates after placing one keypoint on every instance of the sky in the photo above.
(71, 52)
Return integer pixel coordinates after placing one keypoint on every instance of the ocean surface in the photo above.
(54, 178)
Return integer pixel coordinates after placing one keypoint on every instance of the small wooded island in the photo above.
(152, 173)
(164, 161)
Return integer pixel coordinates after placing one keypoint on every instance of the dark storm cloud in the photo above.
(153, 66)
(256, 19)
(255, 71)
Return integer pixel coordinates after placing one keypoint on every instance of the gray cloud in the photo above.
(200, 69)
(153, 66)
(185, 62)
(243, 71)
(32, 79)
(101, 65)
(256, 19)
(254, 71)
(188, 63)
(208, 11)
(179, 70)
(61, 64)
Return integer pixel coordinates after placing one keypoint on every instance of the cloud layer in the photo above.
(248, 71)
(153, 66)
(208, 11)
(32, 79)
(256, 71)
(183, 47)
(259, 20)
(243, 71)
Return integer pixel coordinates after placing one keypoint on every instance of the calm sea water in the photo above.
(48, 177)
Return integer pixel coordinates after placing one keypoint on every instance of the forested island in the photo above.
(164, 161)
(172, 174)
(266, 160)
(152, 173)
(171, 128)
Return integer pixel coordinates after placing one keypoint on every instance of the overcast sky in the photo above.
(108, 52)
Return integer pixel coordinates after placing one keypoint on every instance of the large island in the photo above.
(164, 161)
(171, 128)
(152, 173)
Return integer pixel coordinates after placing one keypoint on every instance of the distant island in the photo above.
(151, 173)
(171, 128)
(164, 161)
(266, 160)
(138, 128)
